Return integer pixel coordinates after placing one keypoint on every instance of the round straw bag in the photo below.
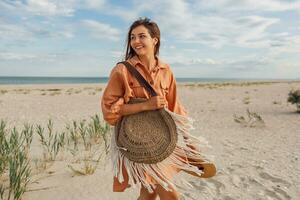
(146, 137)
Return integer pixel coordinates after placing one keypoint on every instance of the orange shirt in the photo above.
(122, 86)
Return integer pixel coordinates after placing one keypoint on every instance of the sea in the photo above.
(19, 80)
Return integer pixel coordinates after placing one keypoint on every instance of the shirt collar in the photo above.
(135, 61)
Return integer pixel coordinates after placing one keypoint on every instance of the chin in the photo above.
(140, 53)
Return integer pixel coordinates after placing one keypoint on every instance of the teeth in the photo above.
(139, 47)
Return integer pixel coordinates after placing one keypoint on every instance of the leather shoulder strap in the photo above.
(139, 77)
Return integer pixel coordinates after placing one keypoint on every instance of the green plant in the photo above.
(3, 91)
(74, 134)
(14, 159)
(3, 148)
(84, 135)
(294, 98)
(98, 89)
(90, 137)
(246, 100)
(3, 156)
(53, 89)
(91, 133)
(28, 133)
(51, 143)
(277, 102)
(19, 174)
(252, 120)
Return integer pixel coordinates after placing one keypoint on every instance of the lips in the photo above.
(138, 47)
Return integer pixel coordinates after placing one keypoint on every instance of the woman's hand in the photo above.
(153, 103)
(156, 102)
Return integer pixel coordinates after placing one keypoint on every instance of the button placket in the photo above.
(153, 75)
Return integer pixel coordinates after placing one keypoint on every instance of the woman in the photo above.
(142, 53)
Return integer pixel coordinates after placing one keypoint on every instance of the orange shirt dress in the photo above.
(122, 86)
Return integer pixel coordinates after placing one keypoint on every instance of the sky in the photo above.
(257, 39)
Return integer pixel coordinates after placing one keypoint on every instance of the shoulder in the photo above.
(119, 69)
(163, 65)
(166, 69)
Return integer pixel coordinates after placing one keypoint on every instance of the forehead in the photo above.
(140, 29)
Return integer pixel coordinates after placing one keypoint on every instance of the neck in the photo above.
(148, 61)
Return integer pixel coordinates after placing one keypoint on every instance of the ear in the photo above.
(155, 40)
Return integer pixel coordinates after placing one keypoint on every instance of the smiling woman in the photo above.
(152, 142)
(140, 36)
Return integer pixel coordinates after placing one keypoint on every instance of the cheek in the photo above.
(130, 43)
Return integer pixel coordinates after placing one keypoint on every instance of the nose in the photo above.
(135, 40)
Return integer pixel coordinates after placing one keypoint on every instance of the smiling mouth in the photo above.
(139, 47)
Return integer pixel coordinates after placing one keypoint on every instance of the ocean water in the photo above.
(12, 80)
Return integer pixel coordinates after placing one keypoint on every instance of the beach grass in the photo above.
(246, 100)
(294, 98)
(252, 119)
(53, 91)
(277, 102)
(3, 91)
(17, 166)
(232, 84)
(92, 135)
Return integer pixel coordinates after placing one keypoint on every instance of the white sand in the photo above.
(253, 163)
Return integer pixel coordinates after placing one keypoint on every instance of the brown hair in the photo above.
(153, 31)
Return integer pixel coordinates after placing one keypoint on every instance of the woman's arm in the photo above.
(174, 104)
(153, 103)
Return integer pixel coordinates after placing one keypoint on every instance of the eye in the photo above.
(131, 37)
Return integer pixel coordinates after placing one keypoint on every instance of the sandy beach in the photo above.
(254, 163)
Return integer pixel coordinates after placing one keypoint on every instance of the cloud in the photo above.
(100, 30)
(50, 8)
(247, 5)
(215, 36)
(182, 61)
(13, 32)
(39, 7)
(206, 23)
(16, 56)
(27, 33)
(116, 54)
(253, 31)
(31, 57)
(288, 44)
(93, 4)
(242, 64)
(187, 24)
(289, 70)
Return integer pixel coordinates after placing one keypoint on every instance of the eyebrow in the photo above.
(138, 34)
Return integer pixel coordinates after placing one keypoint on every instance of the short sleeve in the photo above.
(174, 104)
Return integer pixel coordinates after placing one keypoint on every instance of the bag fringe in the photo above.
(137, 171)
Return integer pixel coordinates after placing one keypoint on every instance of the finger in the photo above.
(162, 99)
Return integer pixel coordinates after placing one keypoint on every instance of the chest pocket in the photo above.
(137, 89)
(164, 88)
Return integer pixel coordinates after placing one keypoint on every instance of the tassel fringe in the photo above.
(137, 171)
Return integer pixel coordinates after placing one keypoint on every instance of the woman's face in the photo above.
(142, 42)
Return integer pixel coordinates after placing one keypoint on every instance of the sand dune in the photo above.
(253, 162)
